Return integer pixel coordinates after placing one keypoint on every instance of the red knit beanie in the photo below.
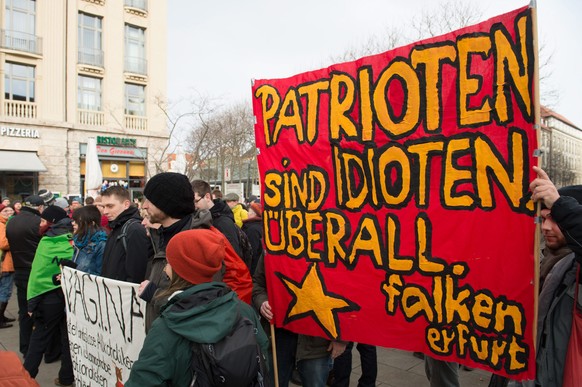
(196, 255)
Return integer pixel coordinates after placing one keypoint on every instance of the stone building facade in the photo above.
(76, 69)
(561, 143)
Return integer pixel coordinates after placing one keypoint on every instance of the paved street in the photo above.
(395, 368)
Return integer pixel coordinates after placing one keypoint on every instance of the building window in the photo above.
(89, 95)
(90, 32)
(19, 21)
(134, 100)
(18, 82)
(139, 4)
(135, 55)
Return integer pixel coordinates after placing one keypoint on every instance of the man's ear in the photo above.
(126, 204)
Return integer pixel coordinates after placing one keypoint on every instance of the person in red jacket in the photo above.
(12, 373)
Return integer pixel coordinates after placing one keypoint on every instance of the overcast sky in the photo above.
(216, 47)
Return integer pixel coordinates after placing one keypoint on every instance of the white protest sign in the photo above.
(106, 325)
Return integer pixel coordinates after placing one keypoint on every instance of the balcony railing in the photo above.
(91, 56)
(19, 109)
(136, 122)
(20, 41)
(136, 65)
(91, 117)
(139, 4)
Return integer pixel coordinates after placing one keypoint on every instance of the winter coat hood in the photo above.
(63, 226)
(220, 208)
(204, 313)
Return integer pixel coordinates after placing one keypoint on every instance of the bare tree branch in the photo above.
(444, 17)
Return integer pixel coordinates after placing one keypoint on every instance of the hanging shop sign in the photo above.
(117, 141)
(118, 152)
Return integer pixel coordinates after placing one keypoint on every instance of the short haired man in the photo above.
(216, 194)
(562, 256)
(128, 247)
(104, 221)
(222, 216)
(561, 217)
(23, 233)
(240, 214)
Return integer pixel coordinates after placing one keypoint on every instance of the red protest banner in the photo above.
(395, 190)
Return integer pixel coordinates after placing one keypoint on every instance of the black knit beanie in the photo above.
(53, 214)
(172, 193)
(574, 191)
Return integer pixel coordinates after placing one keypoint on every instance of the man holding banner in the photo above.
(562, 230)
(396, 186)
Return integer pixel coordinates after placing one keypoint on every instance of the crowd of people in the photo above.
(198, 258)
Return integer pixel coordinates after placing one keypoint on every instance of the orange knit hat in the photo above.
(257, 209)
(196, 255)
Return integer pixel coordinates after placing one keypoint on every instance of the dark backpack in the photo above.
(123, 234)
(245, 247)
(234, 361)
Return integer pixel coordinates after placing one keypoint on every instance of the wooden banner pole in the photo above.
(274, 353)
(538, 127)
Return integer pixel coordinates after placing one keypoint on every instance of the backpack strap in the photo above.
(199, 377)
(123, 235)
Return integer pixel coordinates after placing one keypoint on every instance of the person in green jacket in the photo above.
(194, 256)
(46, 302)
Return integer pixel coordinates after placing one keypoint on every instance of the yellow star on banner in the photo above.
(310, 298)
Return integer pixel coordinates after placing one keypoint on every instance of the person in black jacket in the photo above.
(128, 247)
(222, 216)
(253, 227)
(562, 228)
(168, 201)
(23, 236)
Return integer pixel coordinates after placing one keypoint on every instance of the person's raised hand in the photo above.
(543, 189)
